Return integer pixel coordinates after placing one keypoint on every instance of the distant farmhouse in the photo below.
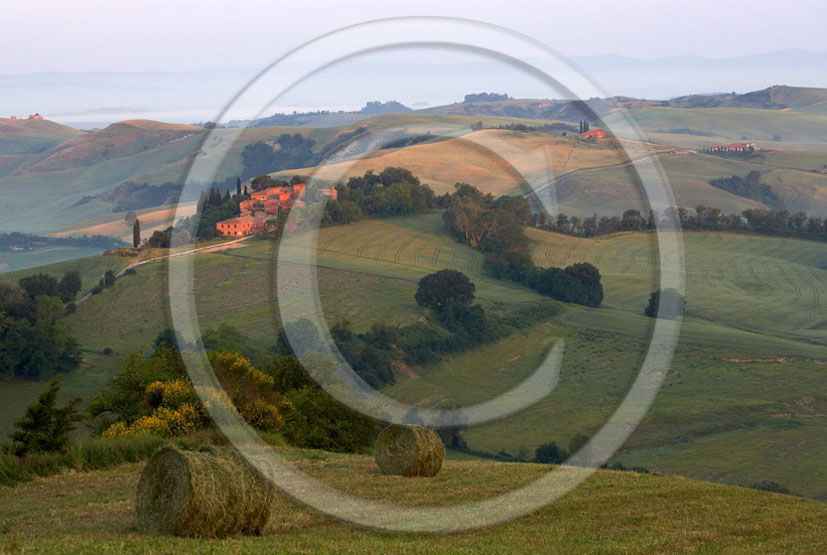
(264, 203)
(734, 147)
(587, 133)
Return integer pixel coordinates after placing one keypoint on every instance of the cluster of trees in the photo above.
(546, 127)
(486, 97)
(134, 196)
(455, 324)
(212, 207)
(289, 151)
(631, 220)
(25, 241)
(302, 412)
(496, 226)
(392, 192)
(34, 339)
(749, 187)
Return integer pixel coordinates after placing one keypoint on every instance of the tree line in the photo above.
(497, 228)
(454, 324)
(25, 241)
(753, 220)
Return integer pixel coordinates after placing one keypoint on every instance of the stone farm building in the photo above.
(267, 202)
(593, 134)
(241, 226)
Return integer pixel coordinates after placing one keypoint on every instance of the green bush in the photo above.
(96, 454)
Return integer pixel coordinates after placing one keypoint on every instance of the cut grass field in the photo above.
(612, 190)
(730, 123)
(611, 512)
(494, 160)
(751, 300)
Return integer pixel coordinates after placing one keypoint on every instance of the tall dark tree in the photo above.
(670, 301)
(136, 233)
(69, 286)
(238, 186)
(45, 427)
(39, 284)
(445, 290)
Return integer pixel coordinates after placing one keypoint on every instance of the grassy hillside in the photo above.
(634, 514)
(614, 189)
(752, 342)
(28, 137)
(495, 161)
(732, 123)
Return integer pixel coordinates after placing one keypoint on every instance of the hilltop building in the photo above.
(593, 134)
(264, 203)
(35, 116)
(734, 147)
(242, 225)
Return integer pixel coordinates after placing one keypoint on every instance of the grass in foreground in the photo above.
(612, 511)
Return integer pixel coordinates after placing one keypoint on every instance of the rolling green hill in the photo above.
(28, 137)
(94, 512)
(745, 379)
(732, 124)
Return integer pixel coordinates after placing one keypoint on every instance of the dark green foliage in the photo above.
(318, 421)
(161, 239)
(773, 487)
(393, 192)
(749, 187)
(69, 286)
(39, 284)
(97, 289)
(45, 427)
(294, 151)
(673, 304)
(108, 351)
(550, 453)
(497, 228)
(122, 398)
(165, 339)
(39, 347)
(288, 373)
(108, 278)
(444, 291)
(136, 233)
(303, 336)
(130, 196)
(623, 468)
(96, 454)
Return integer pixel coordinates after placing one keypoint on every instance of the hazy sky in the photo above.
(172, 35)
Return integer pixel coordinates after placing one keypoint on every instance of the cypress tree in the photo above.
(238, 186)
(136, 233)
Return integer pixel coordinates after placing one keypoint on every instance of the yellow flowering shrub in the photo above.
(170, 394)
(177, 410)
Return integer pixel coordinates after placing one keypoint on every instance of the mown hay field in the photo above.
(94, 513)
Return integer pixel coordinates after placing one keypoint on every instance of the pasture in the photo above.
(94, 513)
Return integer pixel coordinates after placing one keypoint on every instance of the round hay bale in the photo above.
(202, 494)
(409, 451)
